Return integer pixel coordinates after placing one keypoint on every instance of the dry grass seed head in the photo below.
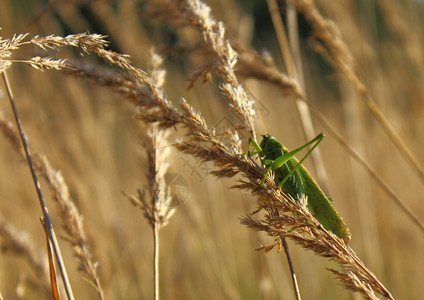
(145, 93)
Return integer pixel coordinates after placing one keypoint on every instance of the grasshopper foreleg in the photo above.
(259, 151)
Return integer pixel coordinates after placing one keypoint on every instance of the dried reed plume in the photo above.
(283, 217)
(72, 222)
(157, 209)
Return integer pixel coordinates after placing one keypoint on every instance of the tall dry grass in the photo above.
(213, 75)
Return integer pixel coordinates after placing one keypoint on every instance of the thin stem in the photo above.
(292, 271)
(156, 260)
(293, 34)
(156, 221)
(47, 220)
(281, 37)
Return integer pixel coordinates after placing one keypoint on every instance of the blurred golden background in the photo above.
(90, 135)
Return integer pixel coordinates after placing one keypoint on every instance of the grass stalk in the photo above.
(156, 261)
(291, 266)
(46, 217)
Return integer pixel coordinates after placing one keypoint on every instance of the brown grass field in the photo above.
(152, 196)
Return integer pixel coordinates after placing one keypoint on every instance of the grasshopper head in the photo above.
(271, 148)
(265, 140)
(268, 143)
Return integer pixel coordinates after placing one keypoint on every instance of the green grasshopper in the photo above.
(295, 181)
